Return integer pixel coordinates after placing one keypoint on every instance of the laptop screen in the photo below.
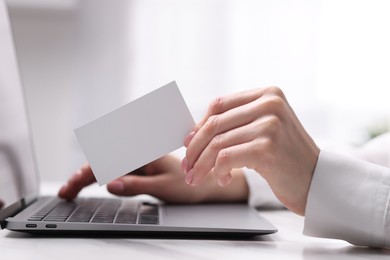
(18, 179)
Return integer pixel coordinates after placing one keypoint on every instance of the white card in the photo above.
(136, 134)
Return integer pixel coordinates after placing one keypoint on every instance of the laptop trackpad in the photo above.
(220, 216)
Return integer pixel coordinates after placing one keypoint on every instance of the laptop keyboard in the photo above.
(99, 210)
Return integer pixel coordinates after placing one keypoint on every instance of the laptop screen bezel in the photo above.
(28, 198)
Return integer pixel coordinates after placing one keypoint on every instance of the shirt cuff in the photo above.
(349, 199)
(260, 194)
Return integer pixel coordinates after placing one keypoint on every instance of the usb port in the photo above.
(51, 226)
(31, 225)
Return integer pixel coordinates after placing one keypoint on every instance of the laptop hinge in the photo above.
(3, 224)
(12, 210)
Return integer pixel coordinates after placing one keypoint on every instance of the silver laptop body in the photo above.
(21, 208)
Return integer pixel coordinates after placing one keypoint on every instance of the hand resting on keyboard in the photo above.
(164, 180)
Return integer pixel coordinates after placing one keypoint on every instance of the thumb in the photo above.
(131, 185)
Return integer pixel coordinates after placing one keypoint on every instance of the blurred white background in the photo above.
(83, 58)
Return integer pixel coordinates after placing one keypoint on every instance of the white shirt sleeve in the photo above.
(260, 193)
(376, 151)
(349, 199)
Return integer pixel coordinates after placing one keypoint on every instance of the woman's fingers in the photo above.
(230, 128)
(167, 186)
(77, 182)
(234, 157)
(131, 185)
(223, 104)
(84, 176)
(217, 125)
(216, 148)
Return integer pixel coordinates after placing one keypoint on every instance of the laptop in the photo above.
(22, 209)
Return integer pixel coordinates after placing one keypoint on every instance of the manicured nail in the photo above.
(189, 176)
(116, 187)
(62, 190)
(225, 180)
(184, 165)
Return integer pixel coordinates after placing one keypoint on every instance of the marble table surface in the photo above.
(287, 243)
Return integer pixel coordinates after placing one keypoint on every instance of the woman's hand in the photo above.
(256, 129)
(163, 179)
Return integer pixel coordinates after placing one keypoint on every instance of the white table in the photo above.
(288, 243)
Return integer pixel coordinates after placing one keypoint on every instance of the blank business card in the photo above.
(136, 133)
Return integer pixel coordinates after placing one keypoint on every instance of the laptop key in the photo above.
(149, 214)
(150, 220)
(127, 216)
(83, 214)
(35, 218)
(106, 213)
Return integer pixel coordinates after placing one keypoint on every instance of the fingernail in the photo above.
(116, 187)
(224, 181)
(188, 138)
(184, 165)
(189, 176)
(62, 190)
